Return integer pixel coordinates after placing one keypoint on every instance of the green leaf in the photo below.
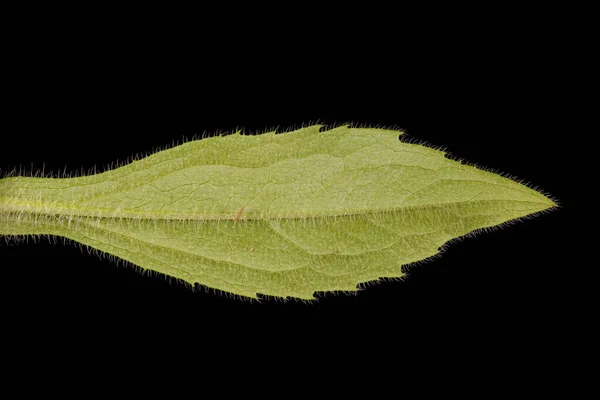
(284, 215)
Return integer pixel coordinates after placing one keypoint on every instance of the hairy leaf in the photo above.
(284, 215)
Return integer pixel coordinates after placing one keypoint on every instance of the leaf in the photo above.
(283, 215)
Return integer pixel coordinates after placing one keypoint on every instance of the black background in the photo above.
(79, 102)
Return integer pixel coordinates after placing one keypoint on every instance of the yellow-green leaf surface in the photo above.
(284, 215)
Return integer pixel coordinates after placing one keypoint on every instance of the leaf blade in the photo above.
(285, 215)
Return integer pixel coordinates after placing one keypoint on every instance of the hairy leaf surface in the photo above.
(284, 215)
